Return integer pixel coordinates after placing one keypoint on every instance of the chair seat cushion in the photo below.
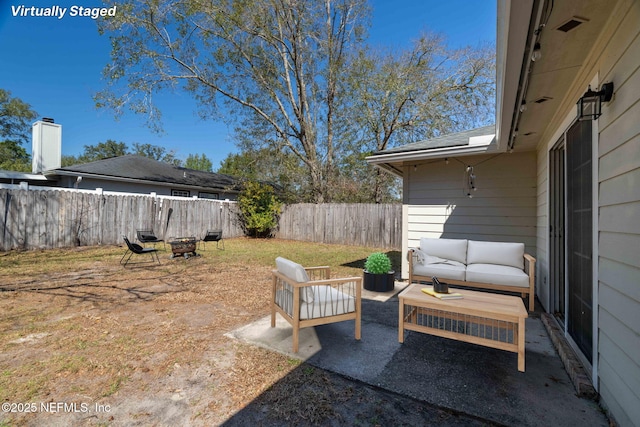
(327, 301)
(447, 269)
(497, 275)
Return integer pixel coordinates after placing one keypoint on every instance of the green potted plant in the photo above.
(378, 275)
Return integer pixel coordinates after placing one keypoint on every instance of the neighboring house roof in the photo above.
(475, 141)
(143, 169)
(20, 176)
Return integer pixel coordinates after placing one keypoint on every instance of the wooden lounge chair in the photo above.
(213, 236)
(304, 302)
(134, 248)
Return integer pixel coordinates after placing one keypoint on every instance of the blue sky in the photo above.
(56, 66)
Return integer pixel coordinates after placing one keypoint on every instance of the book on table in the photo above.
(450, 295)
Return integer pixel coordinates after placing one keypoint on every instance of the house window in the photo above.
(180, 193)
(203, 195)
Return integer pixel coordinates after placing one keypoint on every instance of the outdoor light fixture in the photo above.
(590, 105)
(523, 106)
(470, 181)
(537, 54)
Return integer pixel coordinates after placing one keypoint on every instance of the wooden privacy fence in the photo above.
(53, 218)
(348, 224)
(42, 219)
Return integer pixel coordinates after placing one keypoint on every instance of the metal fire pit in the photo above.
(183, 246)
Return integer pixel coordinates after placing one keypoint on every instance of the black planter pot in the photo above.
(379, 282)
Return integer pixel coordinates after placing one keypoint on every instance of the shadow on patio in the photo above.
(469, 382)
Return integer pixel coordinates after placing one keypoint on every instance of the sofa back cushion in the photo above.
(296, 272)
(498, 253)
(453, 249)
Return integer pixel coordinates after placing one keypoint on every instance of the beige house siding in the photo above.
(615, 58)
(619, 222)
(502, 209)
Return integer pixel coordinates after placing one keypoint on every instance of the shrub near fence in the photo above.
(42, 219)
(374, 225)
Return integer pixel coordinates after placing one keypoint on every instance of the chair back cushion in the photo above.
(498, 253)
(296, 272)
(453, 249)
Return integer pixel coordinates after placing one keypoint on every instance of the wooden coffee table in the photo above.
(483, 318)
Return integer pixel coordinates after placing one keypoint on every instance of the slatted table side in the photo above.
(490, 307)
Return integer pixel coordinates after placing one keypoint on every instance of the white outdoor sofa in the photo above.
(489, 265)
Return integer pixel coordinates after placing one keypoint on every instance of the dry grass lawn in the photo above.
(84, 341)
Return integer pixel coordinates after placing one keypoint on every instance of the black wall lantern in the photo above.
(590, 105)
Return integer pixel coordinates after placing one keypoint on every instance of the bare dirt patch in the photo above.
(85, 341)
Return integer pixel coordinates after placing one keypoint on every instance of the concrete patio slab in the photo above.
(466, 378)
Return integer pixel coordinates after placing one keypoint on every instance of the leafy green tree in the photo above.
(111, 148)
(16, 117)
(357, 182)
(283, 169)
(404, 96)
(198, 162)
(151, 151)
(103, 150)
(259, 209)
(241, 165)
(156, 152)
(69, 160)
(277, 65)
(13, 157)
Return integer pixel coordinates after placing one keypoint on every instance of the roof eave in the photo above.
(513, 21)
(22, 175)
(390, 162)
(59, 172)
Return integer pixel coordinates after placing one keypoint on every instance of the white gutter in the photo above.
(477, 145)
(22, 175)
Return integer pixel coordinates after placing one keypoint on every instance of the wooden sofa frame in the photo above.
(529, 269)
(318, 276)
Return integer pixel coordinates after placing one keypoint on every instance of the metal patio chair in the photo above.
(213, 236)
(148, 236)
(134, 248)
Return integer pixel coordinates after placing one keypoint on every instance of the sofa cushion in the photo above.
(420, 257)
(498, 253)
(447, 269)
(453, 249)
(296, 272)
(497, 275)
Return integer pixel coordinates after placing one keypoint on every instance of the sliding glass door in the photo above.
(571, 234)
